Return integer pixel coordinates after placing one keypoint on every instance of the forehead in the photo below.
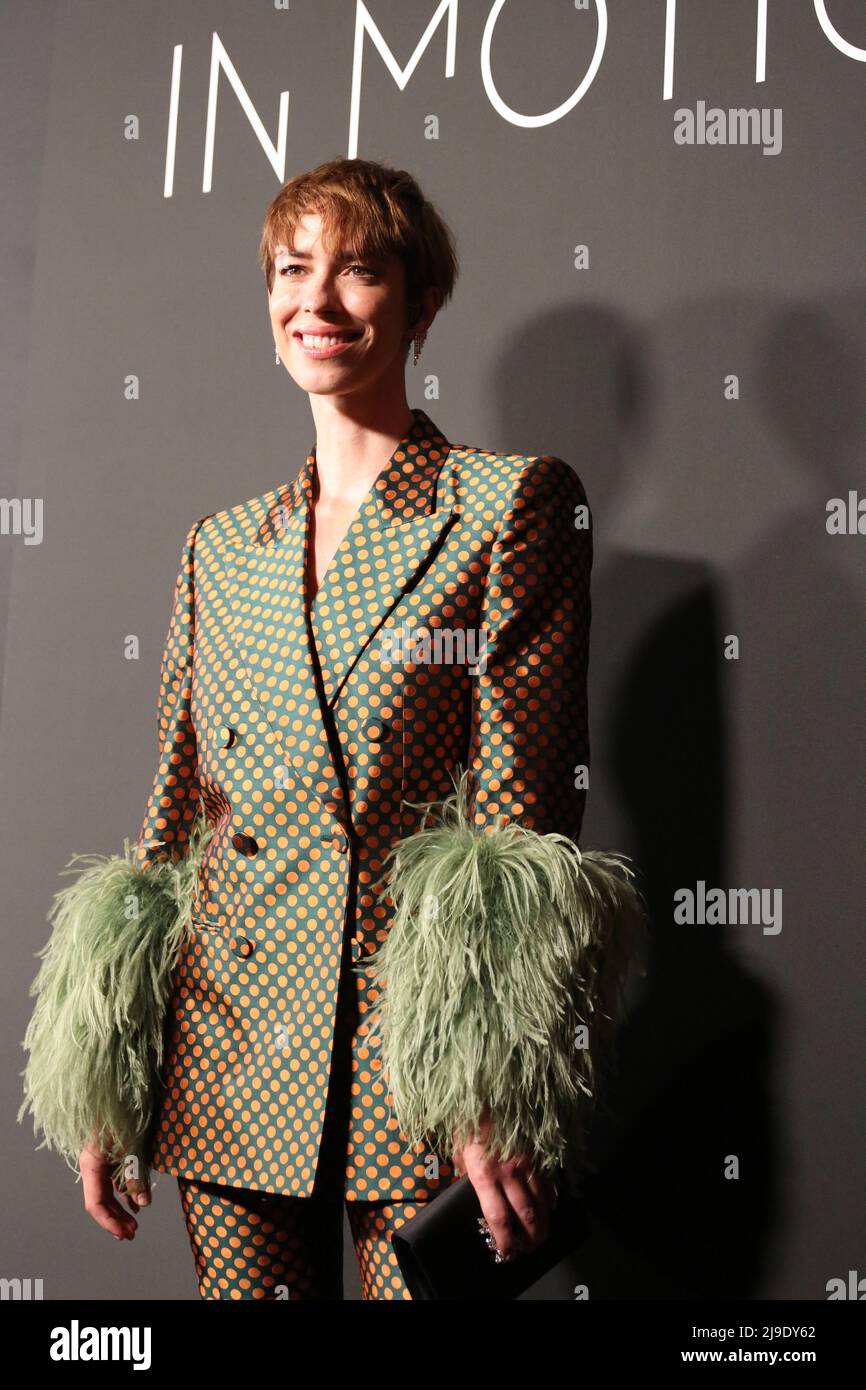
(306, 241)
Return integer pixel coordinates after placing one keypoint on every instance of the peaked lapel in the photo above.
(297, 662)
(390, 539)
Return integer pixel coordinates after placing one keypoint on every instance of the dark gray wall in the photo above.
(710, 517)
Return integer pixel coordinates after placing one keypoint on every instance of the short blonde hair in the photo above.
(367, 208)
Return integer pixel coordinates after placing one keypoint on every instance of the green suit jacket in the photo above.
(307, 738)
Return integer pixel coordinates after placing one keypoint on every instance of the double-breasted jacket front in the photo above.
(450, 630)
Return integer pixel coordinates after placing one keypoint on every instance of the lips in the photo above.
(318, 347)
(342, 335)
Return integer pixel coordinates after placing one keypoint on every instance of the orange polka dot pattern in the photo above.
(253, 1245)
(307, 734)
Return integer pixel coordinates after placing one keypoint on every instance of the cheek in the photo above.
(281, 324)
(376, 307)
(387, 323)
(279, 302)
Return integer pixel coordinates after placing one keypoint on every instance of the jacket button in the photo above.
(245, 844)
(242, 946)
(228, 736)
(376, 730)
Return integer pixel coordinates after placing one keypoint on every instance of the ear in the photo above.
(422, 312)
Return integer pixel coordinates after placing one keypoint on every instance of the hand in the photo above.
(99, 1199)
(516, 1202)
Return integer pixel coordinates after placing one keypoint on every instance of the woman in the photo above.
(341, 650)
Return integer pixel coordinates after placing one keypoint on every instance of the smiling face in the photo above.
(340, 323)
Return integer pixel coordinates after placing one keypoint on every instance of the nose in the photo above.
(320, 290)
(317, 294)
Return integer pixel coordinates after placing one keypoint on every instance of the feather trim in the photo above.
(503, 944)
(95, 1038)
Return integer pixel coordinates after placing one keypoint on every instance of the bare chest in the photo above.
(327, 533)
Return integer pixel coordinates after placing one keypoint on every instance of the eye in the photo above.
(286, 270)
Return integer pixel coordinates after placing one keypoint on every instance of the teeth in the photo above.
(310, 340)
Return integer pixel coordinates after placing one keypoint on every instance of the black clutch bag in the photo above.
(442, 1251)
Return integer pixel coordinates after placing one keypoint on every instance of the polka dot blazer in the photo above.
(451, 630)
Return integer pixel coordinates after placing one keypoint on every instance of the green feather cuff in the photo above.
(501, 982)
(95, 1038)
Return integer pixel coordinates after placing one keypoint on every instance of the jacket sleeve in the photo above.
(529, 751)
(96, 1035)
(172, 805)
(500, 973)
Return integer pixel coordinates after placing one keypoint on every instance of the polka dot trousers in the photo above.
(249, 1244)
(252, 1244)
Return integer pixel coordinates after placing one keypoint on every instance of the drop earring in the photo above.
(419, 343)
(276, 354)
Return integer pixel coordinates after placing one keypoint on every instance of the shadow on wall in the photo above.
(693, 1081)
(698, 1052)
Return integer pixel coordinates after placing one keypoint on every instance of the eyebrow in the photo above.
(307, 255)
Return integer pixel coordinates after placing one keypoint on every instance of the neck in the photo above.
(354, 441)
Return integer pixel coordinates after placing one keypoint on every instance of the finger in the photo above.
(135, 1201)
(548, 1180)
(112, 1218)
(101, 1204)
(494, 1208)
(541, 1188)
(106, 1201)
(100, 1201)
(138, 1193)
(522, 1202)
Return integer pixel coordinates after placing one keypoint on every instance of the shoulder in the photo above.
(241, 523)
(503, 483)
(487, 483)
